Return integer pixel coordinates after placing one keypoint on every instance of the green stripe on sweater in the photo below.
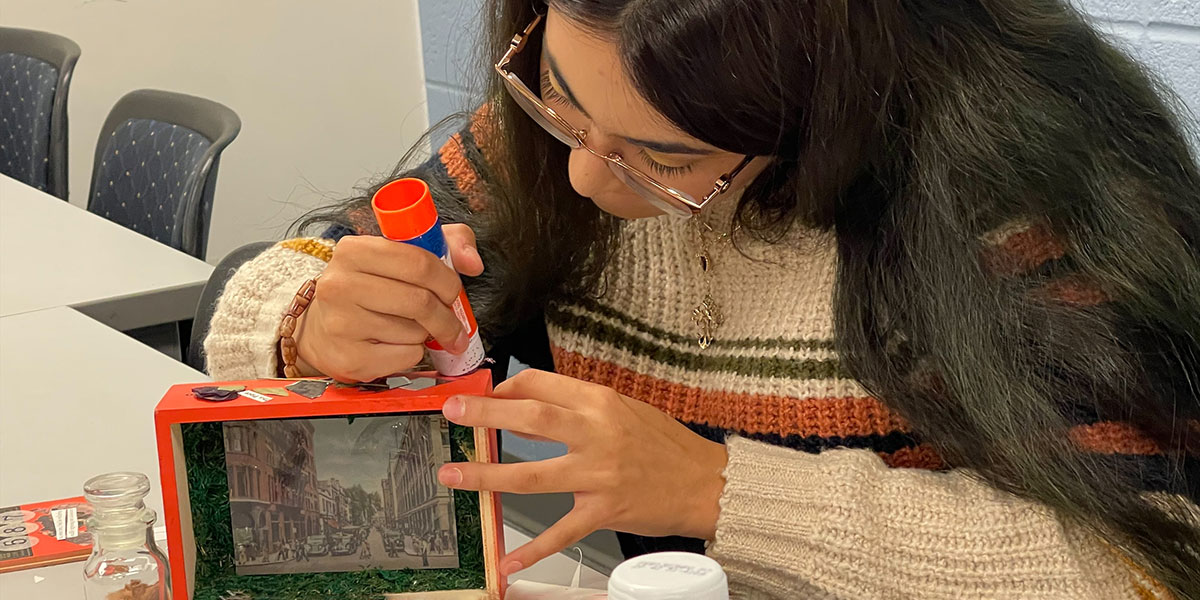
(736, 344)
(751, 366)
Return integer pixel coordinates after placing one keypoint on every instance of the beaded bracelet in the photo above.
(288, 351)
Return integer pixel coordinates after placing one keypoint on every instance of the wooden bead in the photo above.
(289, 350)
(289, 353)
(287, 328)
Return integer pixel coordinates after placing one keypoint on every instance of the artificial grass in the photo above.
(215, 574)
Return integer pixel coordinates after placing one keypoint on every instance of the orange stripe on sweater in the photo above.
(481, 129)
(750, 413)
(1074, 290)
(466, 179)
(1110, 437)
(921, 456)
(1023, 251)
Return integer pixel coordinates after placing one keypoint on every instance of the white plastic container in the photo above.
(668, 576)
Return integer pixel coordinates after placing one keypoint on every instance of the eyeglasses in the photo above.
(665, 197)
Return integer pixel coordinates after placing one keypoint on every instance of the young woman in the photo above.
(930, 325)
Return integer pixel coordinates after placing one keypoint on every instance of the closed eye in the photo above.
(661, 169)
(549, 94)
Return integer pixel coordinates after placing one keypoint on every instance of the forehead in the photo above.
(591, 67)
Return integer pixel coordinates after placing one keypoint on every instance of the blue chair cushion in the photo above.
(148, 174)
(27, 88)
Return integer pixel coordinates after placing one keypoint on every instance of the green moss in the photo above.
(215, 574)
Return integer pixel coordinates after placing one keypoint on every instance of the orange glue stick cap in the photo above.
(404, 209)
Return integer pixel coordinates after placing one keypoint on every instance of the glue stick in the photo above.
(405, 211)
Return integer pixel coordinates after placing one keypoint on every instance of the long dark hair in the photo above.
(912, 129)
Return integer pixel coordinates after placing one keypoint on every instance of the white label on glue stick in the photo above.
(448, 363)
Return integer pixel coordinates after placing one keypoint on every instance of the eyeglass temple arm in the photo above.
(518, 41)
(727, 179)
(739, 167)
(517, 44)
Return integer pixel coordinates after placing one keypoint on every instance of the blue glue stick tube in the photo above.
(406, 213)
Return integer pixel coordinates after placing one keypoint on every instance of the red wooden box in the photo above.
(180, 406)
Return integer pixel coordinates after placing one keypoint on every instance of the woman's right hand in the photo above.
(378, 301)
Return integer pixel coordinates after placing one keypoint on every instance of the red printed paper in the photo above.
(44, 534)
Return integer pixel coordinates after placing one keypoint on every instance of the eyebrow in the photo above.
(563, 84)
(667, 147)
(660, 147)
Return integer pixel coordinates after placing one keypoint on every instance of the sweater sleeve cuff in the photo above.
(244, 334)
(842, 524)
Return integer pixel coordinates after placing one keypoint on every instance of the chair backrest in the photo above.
(156, 163)
(35, 76)
(208, 299)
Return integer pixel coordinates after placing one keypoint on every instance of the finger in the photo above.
(365, 361)
(371, 326)
(552, 388)
(460, 240)
(399, 299)
(568, 530)
(534, 477)
(401, 262)
(526, 416)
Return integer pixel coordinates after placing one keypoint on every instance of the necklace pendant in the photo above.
(707, 317)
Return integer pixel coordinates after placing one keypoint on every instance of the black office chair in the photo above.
(35, 76)
(156, 166)
(208, 300)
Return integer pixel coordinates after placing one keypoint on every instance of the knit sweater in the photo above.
(828, 493)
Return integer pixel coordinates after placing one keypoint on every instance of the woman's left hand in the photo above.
(631, 467)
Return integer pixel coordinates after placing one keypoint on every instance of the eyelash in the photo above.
(549, 94)
(662, 169)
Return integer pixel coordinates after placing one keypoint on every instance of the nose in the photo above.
(590, 174)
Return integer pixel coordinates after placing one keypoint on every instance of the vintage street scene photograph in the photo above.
(339, 494)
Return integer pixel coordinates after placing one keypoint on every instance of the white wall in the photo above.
(329, 93)
(1164, 34)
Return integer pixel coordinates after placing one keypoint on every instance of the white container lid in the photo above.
(668, 576)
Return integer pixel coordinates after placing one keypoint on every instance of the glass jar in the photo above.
(125, 563)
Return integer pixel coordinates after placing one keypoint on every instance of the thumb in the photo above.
(460, 240)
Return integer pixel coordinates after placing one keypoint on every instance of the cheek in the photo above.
(592, 179)
(626, 206)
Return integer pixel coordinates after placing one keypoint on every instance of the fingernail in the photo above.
(462, 342)
(511, 567)
(454, 408)
(450, 477)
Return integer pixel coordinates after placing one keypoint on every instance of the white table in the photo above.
(77, 400)
(55, 254)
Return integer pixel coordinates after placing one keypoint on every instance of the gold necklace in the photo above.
(707, 314)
